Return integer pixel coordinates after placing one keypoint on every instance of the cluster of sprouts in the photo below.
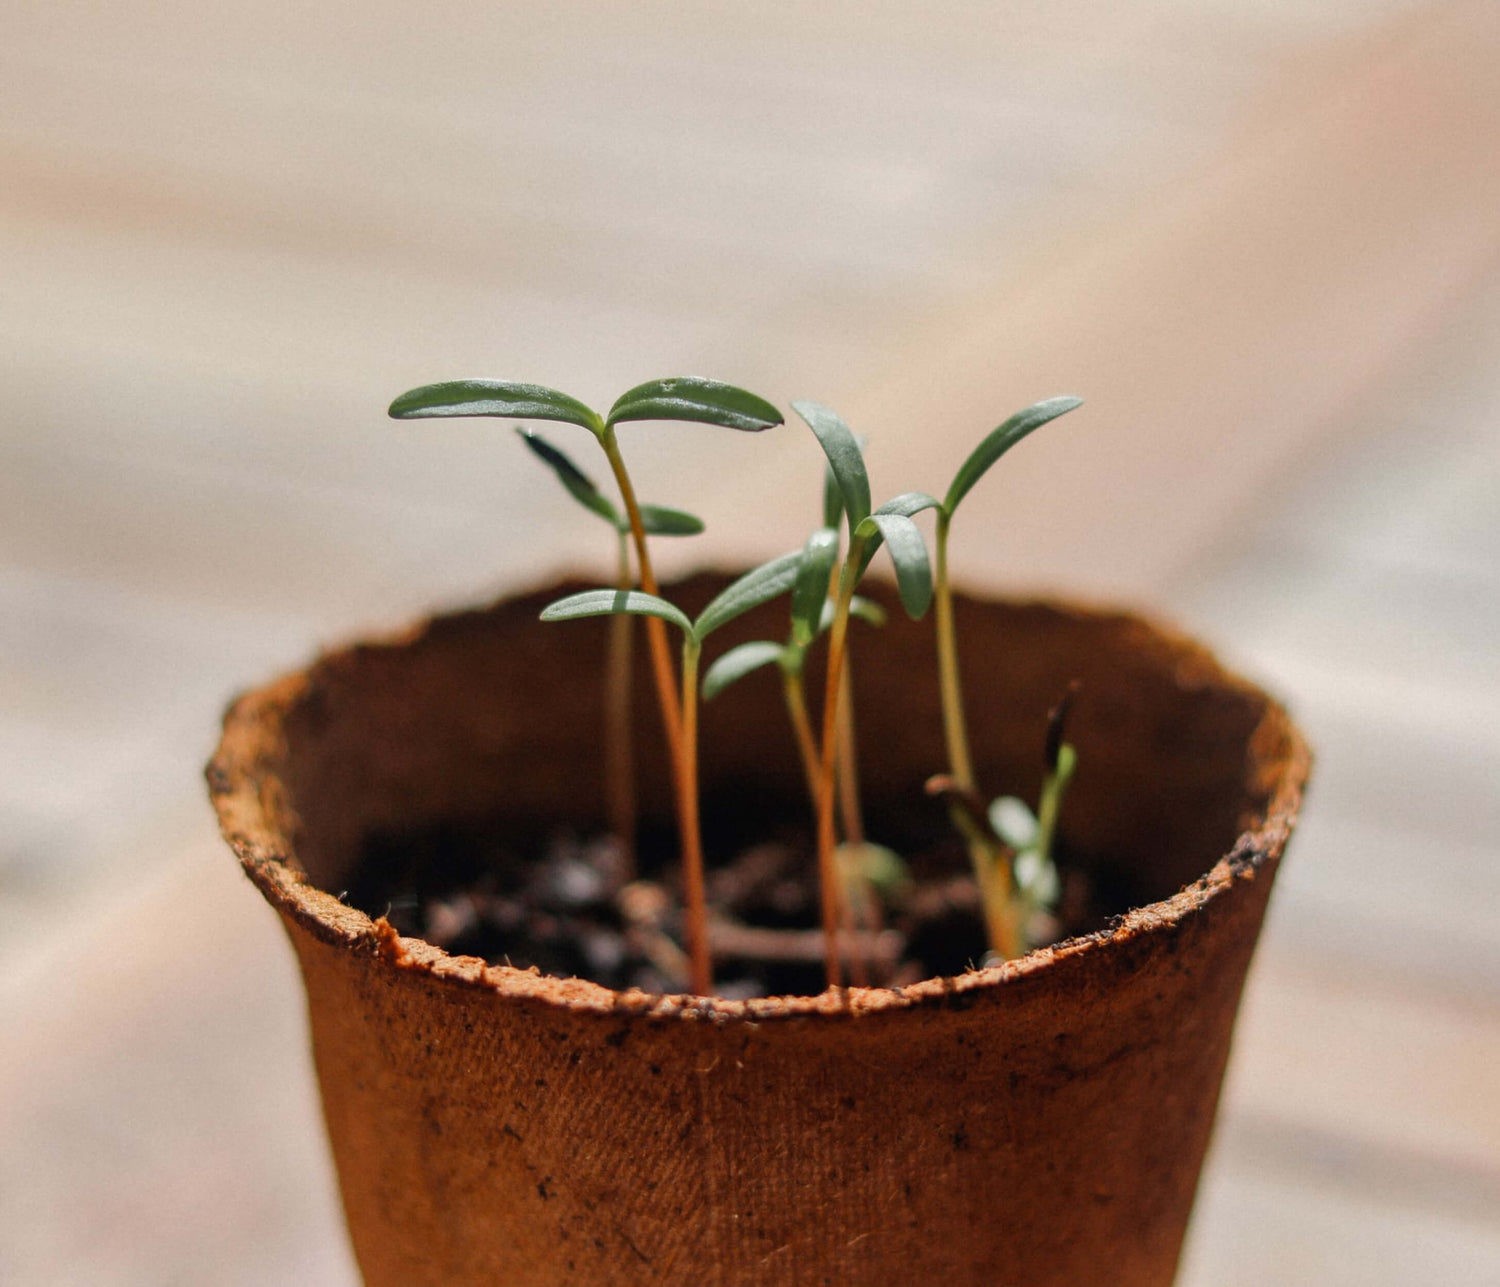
(1010, 846)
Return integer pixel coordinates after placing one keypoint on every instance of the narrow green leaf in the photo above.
(909, 504)
(738, 662)
(906, 505)
(810, 592)
(756, 587)
(1000, 441)
(690, 397)
(658, 520)
(580, 486)
(602, 603)
(494, 398)
(908, 552)
(844, 458)
(833, 499)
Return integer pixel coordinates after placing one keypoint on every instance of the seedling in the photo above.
(1031, 836)
(684, 398)
(750, 591)
(892, 526)
(992, 868)
(811, 616)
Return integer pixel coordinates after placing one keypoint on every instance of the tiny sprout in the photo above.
(753, 589)
(690, 398)
(891, 525)
(991, 865)
(1031, 835)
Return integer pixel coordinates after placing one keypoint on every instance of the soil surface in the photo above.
(570, 905)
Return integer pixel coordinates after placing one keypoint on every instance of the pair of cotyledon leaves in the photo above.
(680, 398)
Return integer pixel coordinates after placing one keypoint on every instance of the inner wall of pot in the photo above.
(495, 717)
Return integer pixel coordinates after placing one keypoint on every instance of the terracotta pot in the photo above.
(1041, 1122)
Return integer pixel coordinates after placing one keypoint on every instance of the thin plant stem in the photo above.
(619, 758)
(828, 874)
(991, 864)
(700, 968)
(680, 718)
(1054, 787)
(656, 629)
(954, 730)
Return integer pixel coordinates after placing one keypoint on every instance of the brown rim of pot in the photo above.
(244, 782)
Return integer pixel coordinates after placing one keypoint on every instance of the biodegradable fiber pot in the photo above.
(1041, 1122)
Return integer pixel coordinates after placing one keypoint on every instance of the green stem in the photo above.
(1054, 787)
(954, 731)
(700, 977)
(991, 864)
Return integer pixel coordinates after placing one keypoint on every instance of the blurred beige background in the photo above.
(1261, 237)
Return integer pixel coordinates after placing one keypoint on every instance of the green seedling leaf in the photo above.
(906, 504)
(833, 499)
(1013, 821)
(909, 504)
(602, 603)
(999, 442)
(756, 587)
(494, 398)
(909, 554)
(658, 520)
(844, 458)
(580, 486)
(689, 397)
(738, 662)
(810, 592)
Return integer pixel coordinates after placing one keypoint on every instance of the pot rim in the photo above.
(248, 796)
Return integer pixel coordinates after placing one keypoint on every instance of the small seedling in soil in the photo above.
(991, 860)
(1011, 848)
(685, 398)
(750, 591)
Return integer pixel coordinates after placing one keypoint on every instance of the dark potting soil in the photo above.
(567, 905)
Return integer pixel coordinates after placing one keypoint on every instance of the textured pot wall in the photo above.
(491, 714)
(1043, 1122)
